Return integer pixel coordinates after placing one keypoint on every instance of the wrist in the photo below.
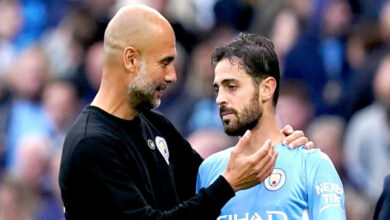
(229, 180)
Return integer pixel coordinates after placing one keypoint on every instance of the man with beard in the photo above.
(304, 182)
(122, 160)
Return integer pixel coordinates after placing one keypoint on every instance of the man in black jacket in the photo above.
(122, 160)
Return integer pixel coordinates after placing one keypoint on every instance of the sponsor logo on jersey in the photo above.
(331, 194)
(269, 215)
(162, 146)
(276, 180)
(151, 144)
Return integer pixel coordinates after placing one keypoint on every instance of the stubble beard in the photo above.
(140, 92)
(247, 119)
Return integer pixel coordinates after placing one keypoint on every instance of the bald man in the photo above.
(122, 160)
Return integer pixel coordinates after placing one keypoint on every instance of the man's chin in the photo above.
(234, 132)
(144, 106)
(240, 128)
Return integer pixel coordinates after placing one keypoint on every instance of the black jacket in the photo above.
(113, 169)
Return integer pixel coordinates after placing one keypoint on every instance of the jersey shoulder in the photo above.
(215, 164)
(219, 158)
(308, 155)
(316, 156)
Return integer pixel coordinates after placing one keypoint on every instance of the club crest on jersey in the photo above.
(162, 146)
(276, 180)
(151, 144)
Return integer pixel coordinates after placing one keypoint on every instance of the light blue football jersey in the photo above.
(303, 185)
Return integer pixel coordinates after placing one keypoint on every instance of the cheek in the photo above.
(154, 75)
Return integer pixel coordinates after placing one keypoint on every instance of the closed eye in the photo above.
(231, 87)
(166, 61)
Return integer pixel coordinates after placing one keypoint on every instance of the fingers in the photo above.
(296, 139)
(263, 150)
(309, 145)
(263, 157)
(268, 167)
(244, 171)
(242, 142)
(287, 130)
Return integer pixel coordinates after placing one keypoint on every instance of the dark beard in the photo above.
(249, 118)
(243, 128)
(141, 101)
(144, 106)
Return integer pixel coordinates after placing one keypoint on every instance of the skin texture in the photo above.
(139, 49)
(244, 106)
(236, 91)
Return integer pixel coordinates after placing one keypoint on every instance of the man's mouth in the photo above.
(162, 87)
(225, 112)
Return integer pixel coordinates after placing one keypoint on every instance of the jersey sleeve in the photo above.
(325, 189)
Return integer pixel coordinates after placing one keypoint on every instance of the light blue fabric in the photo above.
(303, 185)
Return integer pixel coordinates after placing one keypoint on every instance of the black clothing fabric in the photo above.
(382, 209)
(112, 168)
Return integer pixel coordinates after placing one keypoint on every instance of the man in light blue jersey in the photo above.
(304, 183)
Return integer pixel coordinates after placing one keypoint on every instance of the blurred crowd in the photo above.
(334, 58)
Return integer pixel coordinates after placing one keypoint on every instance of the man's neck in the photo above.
(114, 103)
(266, 128)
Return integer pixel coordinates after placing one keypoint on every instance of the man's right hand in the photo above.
(244, 171)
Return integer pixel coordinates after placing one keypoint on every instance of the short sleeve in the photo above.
(325, 189)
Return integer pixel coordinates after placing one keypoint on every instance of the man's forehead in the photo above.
(163, 49)
(228, 69)
(169, 53)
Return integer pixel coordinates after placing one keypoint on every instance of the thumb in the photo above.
(243, 141)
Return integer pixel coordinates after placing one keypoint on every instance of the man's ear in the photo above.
(131, 59)
(267, 88)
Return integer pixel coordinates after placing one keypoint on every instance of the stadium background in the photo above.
(334, 56)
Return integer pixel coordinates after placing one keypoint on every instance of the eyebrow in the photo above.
(224, 82)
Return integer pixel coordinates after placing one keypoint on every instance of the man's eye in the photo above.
(231, 87)
(216, 90)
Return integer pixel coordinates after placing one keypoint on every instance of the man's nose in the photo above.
(220, 99)
(171, 76)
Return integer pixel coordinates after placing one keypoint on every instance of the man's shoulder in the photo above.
(316, 155)
(89, 134)
(212, 167)
(221, 155)
(157, 117)
(91, 124)
(301, 156)
(299, 153)
(218, 159)
(318, 165)
(302, 151)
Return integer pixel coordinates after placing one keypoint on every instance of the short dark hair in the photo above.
(257, 55)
